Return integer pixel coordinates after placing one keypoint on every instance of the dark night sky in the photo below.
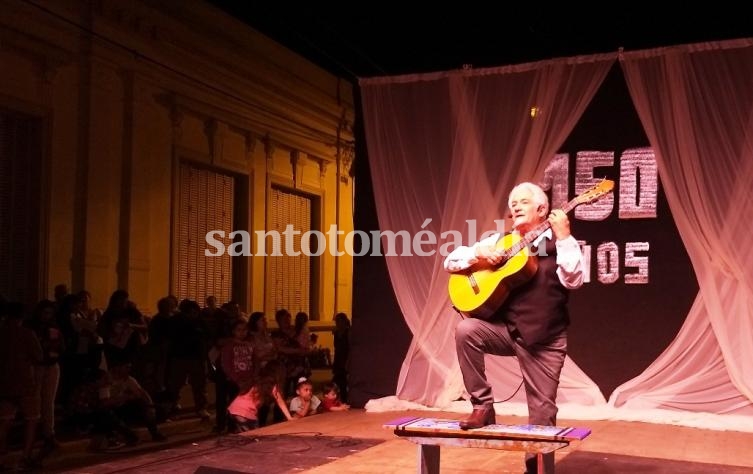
(361, 41)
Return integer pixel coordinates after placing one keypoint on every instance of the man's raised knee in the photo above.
(465, 329)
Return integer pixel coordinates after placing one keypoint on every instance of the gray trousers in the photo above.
(540, 365)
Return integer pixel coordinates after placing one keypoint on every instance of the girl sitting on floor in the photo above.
(331, 401)
(306, 403)
(244, 408)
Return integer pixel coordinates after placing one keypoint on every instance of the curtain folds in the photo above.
(696, 105)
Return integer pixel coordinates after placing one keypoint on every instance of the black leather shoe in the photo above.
(479, 418)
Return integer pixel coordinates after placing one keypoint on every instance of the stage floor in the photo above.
(356, 442)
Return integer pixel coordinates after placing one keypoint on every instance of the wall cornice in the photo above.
(190, 47)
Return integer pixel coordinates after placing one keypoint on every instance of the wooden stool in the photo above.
(431, 433)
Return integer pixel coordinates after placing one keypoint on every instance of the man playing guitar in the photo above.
(531, 323)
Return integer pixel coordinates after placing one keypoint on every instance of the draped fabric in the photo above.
(445, 149)
(696, 105)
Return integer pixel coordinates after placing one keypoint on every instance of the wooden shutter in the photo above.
(291, 275)
(20, 161)
(206, 203)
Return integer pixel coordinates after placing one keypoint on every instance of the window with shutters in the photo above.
(206, 203)
(20, 164)
(293, 277)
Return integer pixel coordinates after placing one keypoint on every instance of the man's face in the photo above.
(525, 212)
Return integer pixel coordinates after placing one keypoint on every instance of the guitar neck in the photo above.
(534, 233)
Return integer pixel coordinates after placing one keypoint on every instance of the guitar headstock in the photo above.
(604, 187)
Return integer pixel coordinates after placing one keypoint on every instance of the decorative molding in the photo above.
(323, 164)
(347, 157)
(295, 160)
(215, 131)
(250, 144)
(345, 151)
(47, 57)
(208, 112)
(295, 156)
(269, 150)
(346, 124)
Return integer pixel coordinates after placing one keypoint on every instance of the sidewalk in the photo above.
(74, 453)
(74, 448)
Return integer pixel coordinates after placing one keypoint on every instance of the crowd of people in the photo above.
(67, 365)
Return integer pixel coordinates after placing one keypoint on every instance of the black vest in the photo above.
(538, 308)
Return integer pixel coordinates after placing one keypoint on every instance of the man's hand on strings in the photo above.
(488, 255)
(560, 224)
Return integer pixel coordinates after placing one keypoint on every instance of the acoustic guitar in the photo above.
(481, 293)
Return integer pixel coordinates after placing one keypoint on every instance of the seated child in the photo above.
(245, 407)
(128, 399)
(332, 400)
(306, 403)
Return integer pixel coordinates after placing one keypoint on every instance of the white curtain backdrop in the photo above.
(445, 148)
(696, 105)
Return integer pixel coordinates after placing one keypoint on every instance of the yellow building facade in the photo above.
(129, 130)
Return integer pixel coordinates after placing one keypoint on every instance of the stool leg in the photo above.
(545, 463)
(428, 459)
